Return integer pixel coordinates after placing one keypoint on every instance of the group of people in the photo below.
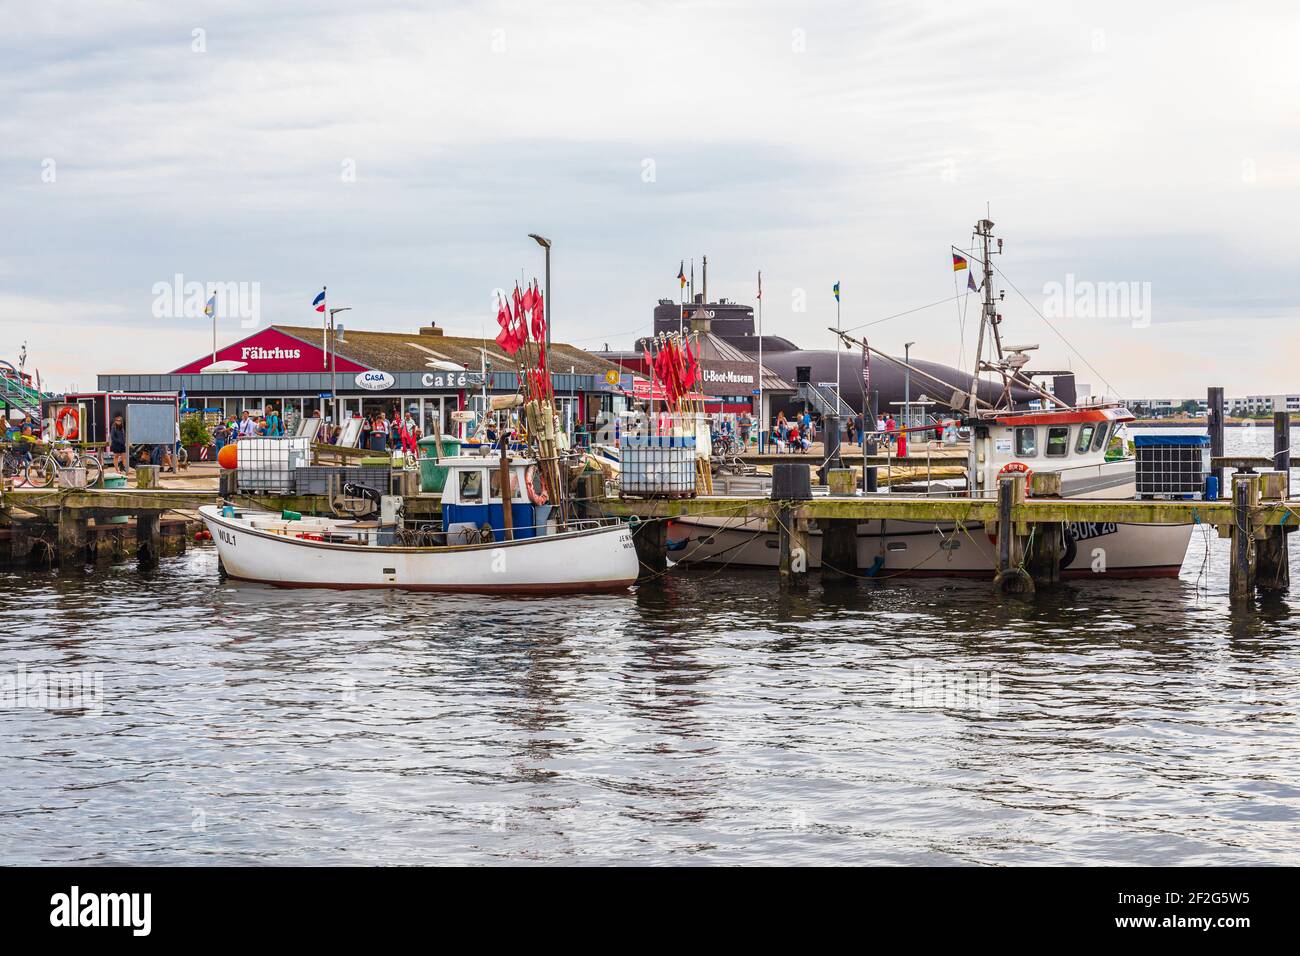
(270, 424)
(381, 431)
(795, 435)
(385, 435)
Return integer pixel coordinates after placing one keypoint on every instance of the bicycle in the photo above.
(13, 463)
(43, 470)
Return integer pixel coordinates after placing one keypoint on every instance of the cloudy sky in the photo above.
(401, 152)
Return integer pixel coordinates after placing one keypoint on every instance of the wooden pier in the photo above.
(1257, 518)
(71, 526)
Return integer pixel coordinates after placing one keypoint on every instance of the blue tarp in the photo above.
(1181, 441)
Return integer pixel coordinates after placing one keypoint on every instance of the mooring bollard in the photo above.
(870, 481)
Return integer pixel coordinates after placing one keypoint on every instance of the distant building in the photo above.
(1263, 404)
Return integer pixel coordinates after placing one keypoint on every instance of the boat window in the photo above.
(471, 486)
(1058, 442)
(1026, 442)
(1099, 441)
(1085, 438)
(494, 484)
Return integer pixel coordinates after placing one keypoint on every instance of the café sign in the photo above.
(449, 379)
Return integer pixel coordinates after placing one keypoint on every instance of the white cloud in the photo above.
(1116, 141)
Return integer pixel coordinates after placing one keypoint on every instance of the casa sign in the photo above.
(374, 380)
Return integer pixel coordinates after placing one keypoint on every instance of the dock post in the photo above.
(870, 481)
(1282, 441)
(72, 538)
(830, 446)
(1011, 577)
(146, 476)
(1272, 568)
(148, 537)
(794, 546)
(1242, 566)
(651, 540)
(20, 543)
(1045, 550)
(1214, 419)
(839, 551)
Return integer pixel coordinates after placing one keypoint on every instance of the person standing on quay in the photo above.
(117, 445)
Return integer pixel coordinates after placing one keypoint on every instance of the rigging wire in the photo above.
(1068, 344)
(899, 315)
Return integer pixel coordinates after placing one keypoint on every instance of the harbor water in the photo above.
(707, 718)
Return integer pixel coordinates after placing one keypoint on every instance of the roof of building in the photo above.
(715, 352)
(426, 349)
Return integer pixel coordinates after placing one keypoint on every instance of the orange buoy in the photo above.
(228, 457)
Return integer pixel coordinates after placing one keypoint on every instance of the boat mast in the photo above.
(984, 229)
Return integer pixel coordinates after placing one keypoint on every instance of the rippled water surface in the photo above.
(701, 719)
(704, 719)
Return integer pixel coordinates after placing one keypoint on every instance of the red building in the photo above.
(298, 370)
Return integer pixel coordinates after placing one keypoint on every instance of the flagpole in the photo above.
(762, 419)
(838, 341)
(214, 335)
(324, 342)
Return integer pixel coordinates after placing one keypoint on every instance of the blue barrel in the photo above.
(1211, 487)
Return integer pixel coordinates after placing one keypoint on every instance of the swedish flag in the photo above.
(836, 290)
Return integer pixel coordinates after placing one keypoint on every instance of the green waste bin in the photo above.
(432, 474)
(115, 481)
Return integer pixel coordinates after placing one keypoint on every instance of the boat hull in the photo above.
(600, 559)
(938, 549)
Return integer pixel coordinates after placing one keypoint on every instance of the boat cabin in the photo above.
(1069, 440)
(472, 506)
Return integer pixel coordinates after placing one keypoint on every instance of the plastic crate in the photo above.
(269, 464)
(1171, 465)
(658, 466)
(315, 479)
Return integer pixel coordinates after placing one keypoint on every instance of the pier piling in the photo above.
(1282, 442)
(793, 546)
(148, 537)
(72, 529)
(839, 551)
(1242, 565)
(1043, 555)
(651, 540)
(1012, 578)
(1214, 421)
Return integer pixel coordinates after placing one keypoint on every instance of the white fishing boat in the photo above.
(1071, 442)
(474, 548)
(1046, 436)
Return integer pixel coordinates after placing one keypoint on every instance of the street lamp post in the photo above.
(334, 365)
(546, 244)
(907, 385)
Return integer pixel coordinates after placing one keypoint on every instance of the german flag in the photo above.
(958, 263)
